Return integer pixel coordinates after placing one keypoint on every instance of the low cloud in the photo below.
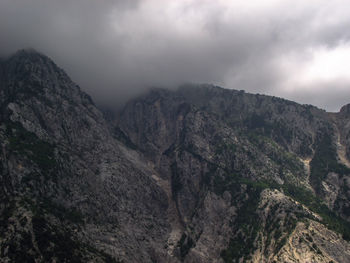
(117, 49)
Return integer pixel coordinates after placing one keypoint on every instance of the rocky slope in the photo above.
(64, 170)
(200, 174)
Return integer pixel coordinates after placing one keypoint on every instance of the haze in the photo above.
(114, 50)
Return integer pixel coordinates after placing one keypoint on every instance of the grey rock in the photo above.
(200, 174)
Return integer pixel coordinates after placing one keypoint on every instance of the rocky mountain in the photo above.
(197, 174)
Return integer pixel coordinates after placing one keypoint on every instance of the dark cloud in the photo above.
(116, 49)
(327, 95)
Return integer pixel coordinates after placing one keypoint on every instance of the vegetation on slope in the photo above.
(325, 161)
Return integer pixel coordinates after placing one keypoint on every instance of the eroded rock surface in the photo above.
(199, 174)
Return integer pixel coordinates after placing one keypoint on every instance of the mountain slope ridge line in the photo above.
(196, 174)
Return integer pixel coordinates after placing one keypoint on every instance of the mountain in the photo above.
(197, 174)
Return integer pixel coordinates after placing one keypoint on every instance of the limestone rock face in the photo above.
(62, 161)
(312, 242)
(198, 174)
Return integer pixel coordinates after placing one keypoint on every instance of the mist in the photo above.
(115, 50)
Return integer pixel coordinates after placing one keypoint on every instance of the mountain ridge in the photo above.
(199, 174)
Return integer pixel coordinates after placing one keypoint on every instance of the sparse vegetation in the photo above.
(122, 137)
(28, 144)
(325, 161)
(246, 226)
(185, 244)
(176, 184)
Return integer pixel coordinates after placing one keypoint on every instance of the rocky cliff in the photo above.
(199, 174)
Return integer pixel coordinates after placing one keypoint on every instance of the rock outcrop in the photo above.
(199, 174)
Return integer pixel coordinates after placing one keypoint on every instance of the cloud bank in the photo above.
(298, 50)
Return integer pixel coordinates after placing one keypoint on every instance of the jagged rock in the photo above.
(200, 174)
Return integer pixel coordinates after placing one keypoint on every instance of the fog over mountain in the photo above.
(116, 49)
(195, 174)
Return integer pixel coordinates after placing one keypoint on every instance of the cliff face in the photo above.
(222, 148)
(64, 169)
(200, 174)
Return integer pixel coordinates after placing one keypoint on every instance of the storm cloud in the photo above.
(298, 50)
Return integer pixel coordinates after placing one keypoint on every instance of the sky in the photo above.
(295, 49)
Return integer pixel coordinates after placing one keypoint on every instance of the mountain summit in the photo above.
(198, 174)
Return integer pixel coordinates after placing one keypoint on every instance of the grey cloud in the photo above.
(116, 49)
(327, 95)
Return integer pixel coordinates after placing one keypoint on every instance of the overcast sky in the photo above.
(296, 49)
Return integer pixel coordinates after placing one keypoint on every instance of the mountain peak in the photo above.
(345, 109)
(29, 54)
(28, 51)
(31, 72)
(29, 62)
